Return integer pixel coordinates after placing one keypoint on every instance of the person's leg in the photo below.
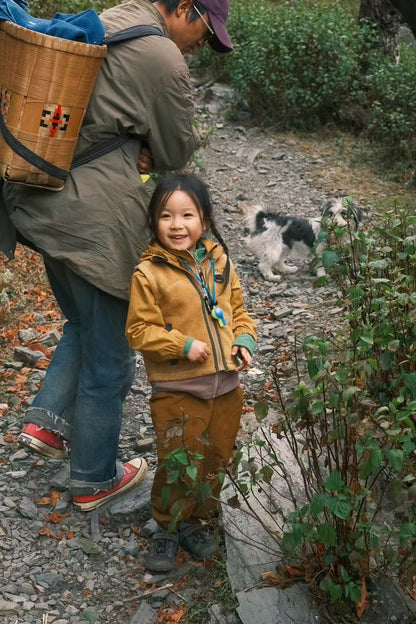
(222, 431)
(53, 406)
(106, 373)
(179, 420)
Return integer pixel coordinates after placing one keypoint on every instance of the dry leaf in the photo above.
(362, 604)
(56, 517)
(275, 578)
(295, 571)
(47, 532)
(412, 592)
(233, 502)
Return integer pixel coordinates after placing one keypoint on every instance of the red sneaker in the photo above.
(134, 472)
(43, 441)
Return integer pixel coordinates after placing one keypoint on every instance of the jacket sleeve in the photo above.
(242, 323)
(145, 327)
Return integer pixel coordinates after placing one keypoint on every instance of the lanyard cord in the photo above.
(200, 277)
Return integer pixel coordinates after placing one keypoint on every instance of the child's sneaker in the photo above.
(43, 441)
(162, 552)
(196, 541)
(134, 472)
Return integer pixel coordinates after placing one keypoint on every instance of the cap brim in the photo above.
(221, 42)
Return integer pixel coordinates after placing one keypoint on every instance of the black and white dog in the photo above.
(274, 237)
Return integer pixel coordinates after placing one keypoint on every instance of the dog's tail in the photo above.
(252, 214)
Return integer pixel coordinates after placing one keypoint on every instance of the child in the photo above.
(186, 317)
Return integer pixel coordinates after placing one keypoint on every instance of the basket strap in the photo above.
(27, 154)
(134, 32)
(105, 147)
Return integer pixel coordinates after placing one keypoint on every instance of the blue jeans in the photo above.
(89, 375)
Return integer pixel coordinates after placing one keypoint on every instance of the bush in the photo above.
(302, 66)
(46, 9)
(350, 422)
(294, 66)
(391, 103)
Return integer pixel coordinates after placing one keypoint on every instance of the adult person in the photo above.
(92, 232)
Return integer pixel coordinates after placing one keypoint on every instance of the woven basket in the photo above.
(45, 86)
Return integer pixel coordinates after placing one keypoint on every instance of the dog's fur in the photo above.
(274, 237)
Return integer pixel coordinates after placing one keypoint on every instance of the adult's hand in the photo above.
(145, 164)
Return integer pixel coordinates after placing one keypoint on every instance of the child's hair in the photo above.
(197, 191)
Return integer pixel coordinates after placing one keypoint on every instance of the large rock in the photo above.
(270, 605)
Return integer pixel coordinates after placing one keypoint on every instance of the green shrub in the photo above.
(391, 102)
(350, 422)
(294, 66)
(45, 9)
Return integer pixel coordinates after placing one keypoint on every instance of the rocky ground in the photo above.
(64, 566)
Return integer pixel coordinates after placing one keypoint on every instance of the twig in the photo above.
(149, 592)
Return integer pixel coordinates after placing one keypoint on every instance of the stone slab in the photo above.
(270, 605)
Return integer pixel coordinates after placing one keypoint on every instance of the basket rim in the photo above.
(32, 37)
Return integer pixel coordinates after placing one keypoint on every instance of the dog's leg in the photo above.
(284, 268)
(267, 273)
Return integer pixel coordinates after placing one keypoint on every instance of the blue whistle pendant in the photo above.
(218, 315)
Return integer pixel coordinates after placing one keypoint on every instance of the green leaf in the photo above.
(165, 496)
(327, 534)
(334, 482)
(341, 509)
(386, 360)
(266, 473)
(172, 476)
(182, 457)
(318, 504)
(261, 409)
(317, 407)
(192, 472)
(368, 335)
(329, 258)
(349, 392)
(333, 589)
(396, 458)
(314, 368)
(344, 574)
(203, 493)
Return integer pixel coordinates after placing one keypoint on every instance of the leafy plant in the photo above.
(350, 422)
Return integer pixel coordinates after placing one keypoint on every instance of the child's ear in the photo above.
(206, 224)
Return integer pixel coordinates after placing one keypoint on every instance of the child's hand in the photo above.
(198, 352)
(244, 355)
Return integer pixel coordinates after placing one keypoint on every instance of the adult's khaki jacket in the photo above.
(96, 224)
(167, 307)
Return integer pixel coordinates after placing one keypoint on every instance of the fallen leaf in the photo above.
(412, 592)
(275, 578)
(362, 604)
(295, 571)
(10, 438)
(47, 532)
(56, 517)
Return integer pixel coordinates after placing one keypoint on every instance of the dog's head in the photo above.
(343, 212)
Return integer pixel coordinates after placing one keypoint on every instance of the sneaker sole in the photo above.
(140, 464)
(40, 447)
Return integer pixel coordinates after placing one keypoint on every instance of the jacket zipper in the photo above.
(214, 337)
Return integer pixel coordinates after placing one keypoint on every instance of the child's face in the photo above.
(180, 225)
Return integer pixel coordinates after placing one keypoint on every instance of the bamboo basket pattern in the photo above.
(45, 86)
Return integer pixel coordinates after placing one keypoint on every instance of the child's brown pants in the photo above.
(208, 427)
